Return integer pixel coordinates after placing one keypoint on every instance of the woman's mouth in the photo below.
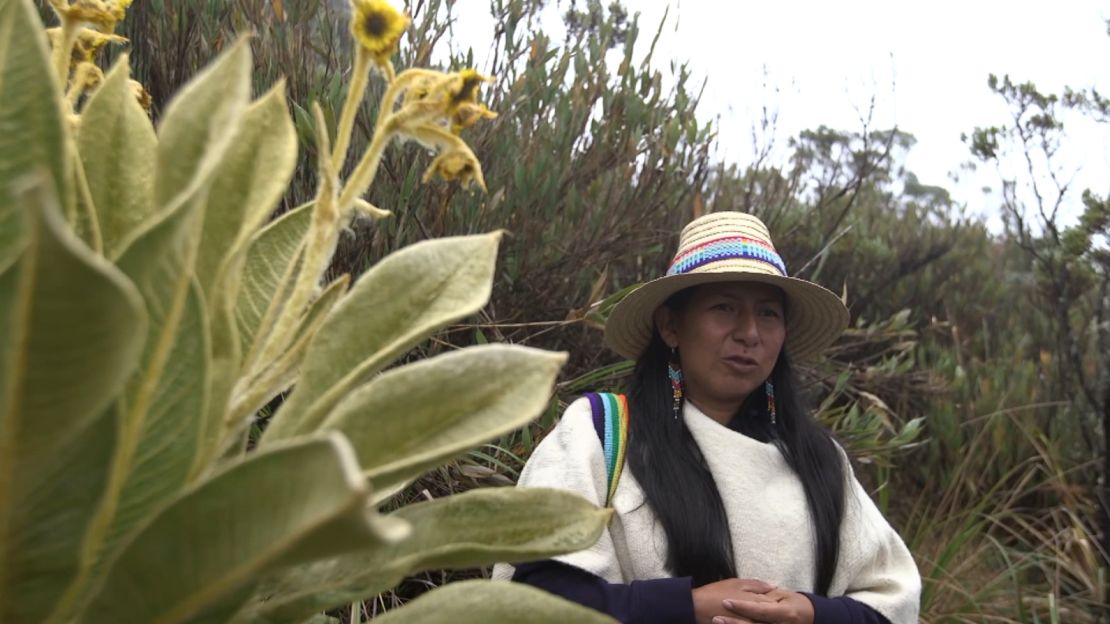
(742, 363)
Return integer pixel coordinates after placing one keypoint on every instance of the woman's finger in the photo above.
(758, 611)
(720, 619)
(750, 596)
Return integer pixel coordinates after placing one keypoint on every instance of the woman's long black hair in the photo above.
(671, 470)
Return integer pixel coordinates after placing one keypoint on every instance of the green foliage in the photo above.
(33, 118)
(1067, 274)
(410, 294)
(59, 443)
(145, 323)
(451, 532)
(957, 388)
(578, 143)
(115, 119)
(306, 501)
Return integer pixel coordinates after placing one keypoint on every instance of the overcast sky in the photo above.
(925, 63)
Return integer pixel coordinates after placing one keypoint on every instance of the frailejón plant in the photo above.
(147, 315)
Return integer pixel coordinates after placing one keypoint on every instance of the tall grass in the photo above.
(990, 551)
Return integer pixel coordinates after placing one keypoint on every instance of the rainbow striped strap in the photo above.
(610, 413)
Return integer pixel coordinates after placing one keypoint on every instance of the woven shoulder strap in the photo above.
(610, 413)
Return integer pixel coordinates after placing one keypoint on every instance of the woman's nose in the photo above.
(746, 329)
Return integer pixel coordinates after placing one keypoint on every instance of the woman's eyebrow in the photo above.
(759, 300)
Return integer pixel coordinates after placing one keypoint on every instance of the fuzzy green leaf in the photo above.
(84, 220)
(200, 125)
(224, 368)
(117, 145)
(271, 257)
(157, 262)
(166, 446)
(71, 331)
(159, 259)
(485, 602)
(475, 528)
(399, 302)
(466, 398)
(251, 179)
(283, 506)
(32, 133)
(282, 371)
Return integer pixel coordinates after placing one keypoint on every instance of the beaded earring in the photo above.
(769, 388)
(674, 371)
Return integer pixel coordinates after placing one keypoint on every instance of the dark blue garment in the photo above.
(656, 601)
(664, 600)
(843, 610)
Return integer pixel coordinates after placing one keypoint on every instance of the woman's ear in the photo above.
(666, 322)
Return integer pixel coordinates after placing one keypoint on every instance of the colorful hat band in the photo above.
(726, 248)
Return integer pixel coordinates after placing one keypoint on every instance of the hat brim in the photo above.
(814, 315)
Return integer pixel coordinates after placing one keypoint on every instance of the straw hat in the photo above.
(725, 247)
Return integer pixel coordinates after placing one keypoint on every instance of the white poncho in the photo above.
(768, 518)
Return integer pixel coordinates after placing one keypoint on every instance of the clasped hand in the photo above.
(750, 601)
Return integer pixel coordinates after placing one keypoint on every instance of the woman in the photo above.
(736, 505)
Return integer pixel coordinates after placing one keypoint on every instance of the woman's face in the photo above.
(728, 337)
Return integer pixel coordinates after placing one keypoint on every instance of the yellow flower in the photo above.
(463, 108)
(420, 89)
(89, 43)
(456, 164)
(86, 78)
(464, 86)
(119, 9)
(467, 115)
(97, 13)
(450, 100)
(90, 75)
(377, 27)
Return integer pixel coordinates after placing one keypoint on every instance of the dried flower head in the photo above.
(88, 44)
(457, 164)
(421, 88)
(463, 108)
(91, 75)
(467, 115)
(87, 77)
(99, 14)
(377, 27)
(463, 87)
(447, 100)
(119, 9)
(142, 95)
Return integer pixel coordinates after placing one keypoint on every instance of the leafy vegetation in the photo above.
(147, 316)
(972, 388)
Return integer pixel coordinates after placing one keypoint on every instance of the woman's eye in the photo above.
(771, 312)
